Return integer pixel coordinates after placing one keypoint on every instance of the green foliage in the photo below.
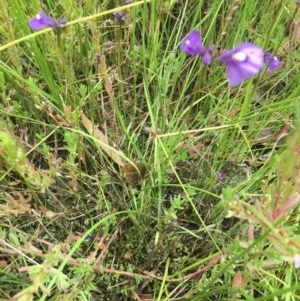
(14, 158)
(176, 205)
(213, 210)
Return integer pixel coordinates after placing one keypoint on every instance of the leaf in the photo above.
(115, 155)
(238, 279)
(133, 174)
(194, 150)
(109, 89)
(147, 297)
(107, 84)
(26, 294)
(50, 214)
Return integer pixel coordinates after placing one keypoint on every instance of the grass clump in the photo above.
(130, 171)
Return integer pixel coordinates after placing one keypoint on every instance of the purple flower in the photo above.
(41, 20)
(220, 176)
(120, 15)
(242, 62)
(192, 45)
(272, 61)
(89, 237)
(207, 56)
(296, 259)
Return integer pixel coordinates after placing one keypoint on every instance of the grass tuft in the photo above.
(131, 171)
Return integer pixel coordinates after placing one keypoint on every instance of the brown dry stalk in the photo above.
(102, 140)
(109, 89)
(96, 268)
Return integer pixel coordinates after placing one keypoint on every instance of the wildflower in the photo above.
(121, 16)
(220, 176)
(272, 61)
(297, 261)
(192, 45)
(242, 62)
(89, 237)
(207, 56)
(41, 20)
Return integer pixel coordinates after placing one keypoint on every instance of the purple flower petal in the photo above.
(40, 21)
(61, 22)
(242, 62)
(220, 176)
(207, 57)
(192, 44)
(297, 261)
(236, 74)
(272, 61)
(119, 15)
